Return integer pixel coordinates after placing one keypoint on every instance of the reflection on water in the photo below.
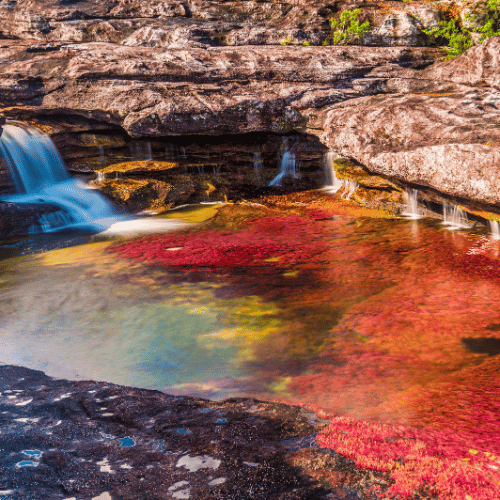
(369, 317)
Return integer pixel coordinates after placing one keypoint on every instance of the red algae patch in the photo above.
(285, 241)
(374, 316)
(431, 463)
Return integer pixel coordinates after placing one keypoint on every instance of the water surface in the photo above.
(377, 318)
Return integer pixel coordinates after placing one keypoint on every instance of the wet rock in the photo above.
(147, 194)
(94, 440)
(29, 218)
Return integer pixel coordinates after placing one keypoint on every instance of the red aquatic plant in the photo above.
(436, 463)
(404, 300)
(271, 241)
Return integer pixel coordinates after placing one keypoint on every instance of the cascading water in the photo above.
(40, 176)
(349, 189)
(287, 164)
(494, 229)
(257, 166)
(333, 183)
(454, 217)
(411, 198)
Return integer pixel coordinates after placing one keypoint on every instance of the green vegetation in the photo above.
(459, 36)
(348, 28)
(286, 41)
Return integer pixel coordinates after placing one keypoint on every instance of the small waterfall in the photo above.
(40, 176)
(32, 159)
(101, 176)
(287, 164)
(332, 182)
(257, 166)
(454, 217)
(174, 152)
(349, 188)
(101, 154)
(411, 199)
(494, 229)
(149, 153)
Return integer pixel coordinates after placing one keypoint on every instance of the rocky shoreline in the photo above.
(95, 440)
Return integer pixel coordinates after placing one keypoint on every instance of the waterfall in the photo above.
(494, 229)
(149, 153)
(287, 164)
(349, 188)
(40, 176)
(257, 167)
(411, 199)
(332, 182)
(454, 217)
(39, 162)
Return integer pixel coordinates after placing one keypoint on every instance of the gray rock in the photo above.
(93, 440)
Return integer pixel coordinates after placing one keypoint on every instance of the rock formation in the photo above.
(213, 68)
(100, 441)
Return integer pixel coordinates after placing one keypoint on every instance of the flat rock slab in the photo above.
(94, 440)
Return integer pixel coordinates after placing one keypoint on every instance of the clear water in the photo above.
(299, 297)
(387, 320)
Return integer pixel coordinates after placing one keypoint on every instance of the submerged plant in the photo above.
(419, 460)
(348, 28)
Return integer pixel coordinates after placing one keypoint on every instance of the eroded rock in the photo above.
(448, 139)
(212, 68)
(94, 440)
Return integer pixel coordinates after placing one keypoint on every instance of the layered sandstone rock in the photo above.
(196, 23)
(149, 91)
(213, 68)
(448, 140)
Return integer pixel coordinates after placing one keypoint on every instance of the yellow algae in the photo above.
(253, 323)
(272, 259)
(211, 188)
(280, 386)
(194, 214)
(291, 274)
(483, 214)
(122, 189)
(82, 254)
(319, 200)
(131, 166)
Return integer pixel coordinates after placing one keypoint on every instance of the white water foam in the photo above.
(40, 177)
